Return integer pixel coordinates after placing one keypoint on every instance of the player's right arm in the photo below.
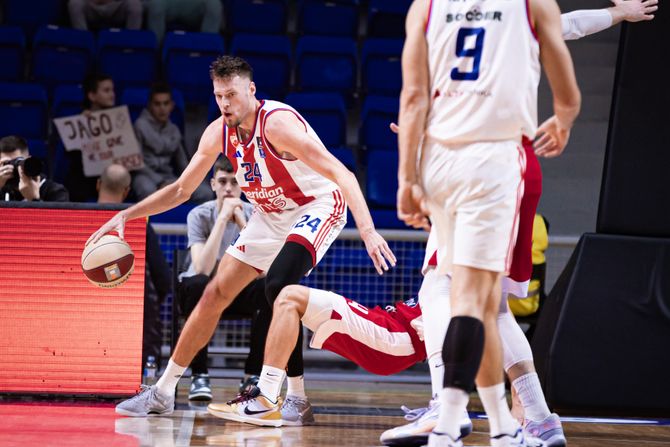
(560, 72)
(175, 193)
(413, 114)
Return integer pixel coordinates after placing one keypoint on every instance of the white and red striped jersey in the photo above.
(484, 68)
(270, 182)
(380, 341)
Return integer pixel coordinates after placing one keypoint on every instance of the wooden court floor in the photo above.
(347, 414)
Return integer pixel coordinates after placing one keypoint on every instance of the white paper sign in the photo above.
(104, 137)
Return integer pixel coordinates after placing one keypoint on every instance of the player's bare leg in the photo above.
(231, 277)
(260, 405)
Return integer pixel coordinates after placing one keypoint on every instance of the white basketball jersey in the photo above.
(269, 181)
(484, 71)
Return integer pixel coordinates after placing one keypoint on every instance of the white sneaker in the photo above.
(443, 440)
(416, 433)
(518, 439)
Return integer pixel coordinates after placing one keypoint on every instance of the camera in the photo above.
(32, 167)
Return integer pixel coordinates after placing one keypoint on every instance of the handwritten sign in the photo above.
(104, 137)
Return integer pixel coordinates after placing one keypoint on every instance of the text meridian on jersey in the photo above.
(475, 16)
(264, 193)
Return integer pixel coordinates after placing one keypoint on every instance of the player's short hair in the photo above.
(223, 164)
(13, 142)
(227, 66)
(159, 87)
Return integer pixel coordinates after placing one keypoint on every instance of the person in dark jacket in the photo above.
(21, 176)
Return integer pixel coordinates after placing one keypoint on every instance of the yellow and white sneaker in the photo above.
(251, 407)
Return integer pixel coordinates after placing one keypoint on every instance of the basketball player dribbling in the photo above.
(470, 76)
(300, 192)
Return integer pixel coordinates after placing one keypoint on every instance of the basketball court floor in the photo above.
(347, 414)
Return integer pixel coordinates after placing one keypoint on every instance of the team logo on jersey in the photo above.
(238, 154)
(259, 145)
(233, 140)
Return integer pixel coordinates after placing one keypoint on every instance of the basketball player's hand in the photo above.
(634, 10)
(552, 137)
(394, 128)
(378, 250)
(29, 187)
(412, 207)
(116, 223)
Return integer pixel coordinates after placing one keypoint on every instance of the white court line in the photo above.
(586, 420)
(185, 429)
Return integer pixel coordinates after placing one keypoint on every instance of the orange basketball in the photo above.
(108, 262)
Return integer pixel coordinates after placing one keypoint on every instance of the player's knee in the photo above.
(292, 298)
(215, 294)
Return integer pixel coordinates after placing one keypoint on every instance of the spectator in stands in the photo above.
(98, 95)
(100, 14)
(212, 227)
(113, 187)
(162, 147)
(22, 177)
(114, 184)
(193, 15)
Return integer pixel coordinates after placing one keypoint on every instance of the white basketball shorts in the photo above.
(474, 192)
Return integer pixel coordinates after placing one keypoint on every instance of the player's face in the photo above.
(225, 185)
(161, 106)
(235, 98)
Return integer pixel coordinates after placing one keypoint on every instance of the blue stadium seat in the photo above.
(258, 16)
(382, 179)
(186, 61)
(328, 18)
(378, 112)
(12, 51)
(32, 14)
(387, 18)
(23, 110)
(67, 100)
(346, 156)
(269, 56)
(61, 55)
(380, 61)
(38, 148)
(326, 64)
(325, 112)
(128, 56)
(136, 99)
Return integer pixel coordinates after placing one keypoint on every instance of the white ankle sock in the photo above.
(167, 384)
(271, 382)
(530, 394)
(436, 368)
(495, 404)
(453, 402)
(296, 387)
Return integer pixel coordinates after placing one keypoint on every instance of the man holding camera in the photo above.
(21, 175)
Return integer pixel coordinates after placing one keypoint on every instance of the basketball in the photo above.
(108, 262)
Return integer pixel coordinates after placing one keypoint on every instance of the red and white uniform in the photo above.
(292, 201)
(380, 341)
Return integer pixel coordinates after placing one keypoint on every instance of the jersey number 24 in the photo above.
(475, 53)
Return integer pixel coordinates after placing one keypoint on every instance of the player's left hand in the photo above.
(552, 138)
(29, 187)
(636, 10)
(378, 250)
(412, 207)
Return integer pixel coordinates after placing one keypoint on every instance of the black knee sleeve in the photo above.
(290, 265)
(462, 352)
